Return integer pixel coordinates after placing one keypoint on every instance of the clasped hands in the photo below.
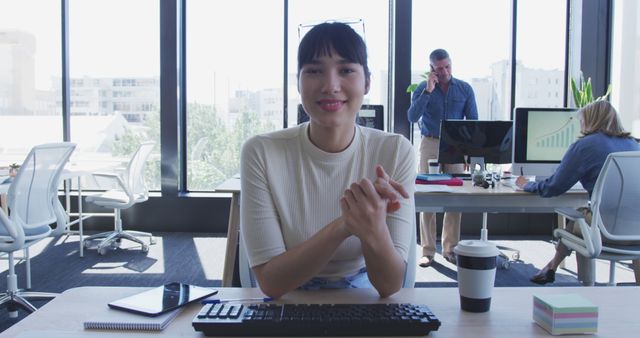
(365, 204)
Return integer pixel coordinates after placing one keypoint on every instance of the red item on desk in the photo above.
(455, 181)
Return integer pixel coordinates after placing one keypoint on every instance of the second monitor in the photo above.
(475, 142)
(370, 115)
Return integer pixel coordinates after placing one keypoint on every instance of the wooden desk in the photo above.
(510, 315)
(466, 198)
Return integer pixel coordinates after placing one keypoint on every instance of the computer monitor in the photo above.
(475, 142)
(370, 115)
(541, 138)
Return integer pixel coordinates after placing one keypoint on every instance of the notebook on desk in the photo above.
(511, 183)
(433, 188)
(111, 319)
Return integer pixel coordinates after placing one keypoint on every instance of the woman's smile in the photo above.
(331, 105)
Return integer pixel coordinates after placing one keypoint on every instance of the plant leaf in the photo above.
(605, 94)
(576, 93)
(583, 95)
(412, 87)
(588, 91)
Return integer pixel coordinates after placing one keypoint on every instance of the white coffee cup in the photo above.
(476, 260)
(434, 166)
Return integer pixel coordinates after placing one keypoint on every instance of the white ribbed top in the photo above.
(291, 189)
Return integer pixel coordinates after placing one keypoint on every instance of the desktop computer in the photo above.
(475, 142)
(541, 138)
(369, 115)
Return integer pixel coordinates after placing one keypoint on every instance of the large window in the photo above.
(625, 63)
(234, 83)
(540, 53)
(115, 80)
(370, 18)
(477, 35)
(30, 70)
(240, 69)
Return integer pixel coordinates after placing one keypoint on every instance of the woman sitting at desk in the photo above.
(602, 134)
(318, 209)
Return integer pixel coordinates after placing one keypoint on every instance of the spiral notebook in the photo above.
(111, 319)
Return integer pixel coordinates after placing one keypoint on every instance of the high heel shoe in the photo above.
(544, 276)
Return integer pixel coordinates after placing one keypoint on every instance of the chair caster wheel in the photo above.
(506, 265)
(145, 248)
(115, 244)
(102, 251)
(516, 256)
(86, 245)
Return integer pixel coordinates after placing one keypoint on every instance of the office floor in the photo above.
(197, 259)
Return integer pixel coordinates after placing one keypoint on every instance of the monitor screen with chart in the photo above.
(541, 138)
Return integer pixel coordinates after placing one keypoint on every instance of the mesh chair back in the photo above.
(135, 169)
(32, 192)
(616, 195)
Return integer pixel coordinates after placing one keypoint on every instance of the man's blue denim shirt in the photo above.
(458, 103)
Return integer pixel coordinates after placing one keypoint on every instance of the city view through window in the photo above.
(235, 68)
(114, 70)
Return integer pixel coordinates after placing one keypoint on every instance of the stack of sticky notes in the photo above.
(565, 314)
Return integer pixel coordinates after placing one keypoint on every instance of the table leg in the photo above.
(484, 233)
(67, 196)
(80, 233)
(232, 240)
(3, 202)
(561, 221)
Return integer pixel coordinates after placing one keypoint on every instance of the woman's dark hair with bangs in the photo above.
(344, 40)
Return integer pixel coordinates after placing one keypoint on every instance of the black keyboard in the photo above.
(267, 319)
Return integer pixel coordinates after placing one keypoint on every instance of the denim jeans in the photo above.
(358, 280)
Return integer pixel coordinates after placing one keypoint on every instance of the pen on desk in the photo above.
(237, 300)
(521, 172)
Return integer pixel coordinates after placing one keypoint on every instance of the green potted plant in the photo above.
(583, 95)
(412, 87)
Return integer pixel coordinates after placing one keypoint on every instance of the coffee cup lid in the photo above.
(476, 248)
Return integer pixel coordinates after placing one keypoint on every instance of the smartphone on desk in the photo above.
(162, 299)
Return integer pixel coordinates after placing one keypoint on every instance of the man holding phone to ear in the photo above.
(440, 97)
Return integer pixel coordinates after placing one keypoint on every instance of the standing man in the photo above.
(440, 97)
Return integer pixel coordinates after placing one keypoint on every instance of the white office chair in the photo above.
(131, 189)
(247, 279)
(614, 204)
(32, 204)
